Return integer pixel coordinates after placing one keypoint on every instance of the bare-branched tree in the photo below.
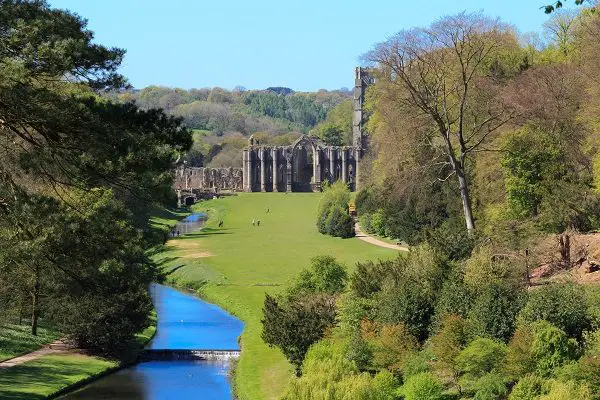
(452, 74)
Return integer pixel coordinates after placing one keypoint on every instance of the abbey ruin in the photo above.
(300, 167)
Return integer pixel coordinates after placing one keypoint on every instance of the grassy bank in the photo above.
(55, 373)
(49, 374)
(16, 340)
(240, 262)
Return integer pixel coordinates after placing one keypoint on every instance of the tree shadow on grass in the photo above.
(206, 232)
(32, 381)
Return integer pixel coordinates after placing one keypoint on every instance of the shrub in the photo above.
(490, 387)
(368, 276)
(423, 386)
(365, 222)
(551, 348)
(495, 309)
(530, 387)
(378, 223)
(563, 305)
(481, 356)
(325, 275)
(339, 223)
(519, 359)
(451, 239)
(567, 391)
(454, 298)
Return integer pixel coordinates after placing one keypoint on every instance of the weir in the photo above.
(186, 354)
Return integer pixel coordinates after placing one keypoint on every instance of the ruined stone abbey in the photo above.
(301, 167)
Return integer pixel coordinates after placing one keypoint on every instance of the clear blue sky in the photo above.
(302, 44)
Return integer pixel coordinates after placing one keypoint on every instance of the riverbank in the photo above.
(236, 264)
(52, 375)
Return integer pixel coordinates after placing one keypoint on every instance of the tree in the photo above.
(550, 8)
(295, 325)
(446, 73)
(495, 310)
(70, 154)
(326, 275)
(562, 305)
(331, 135)
(423, 386)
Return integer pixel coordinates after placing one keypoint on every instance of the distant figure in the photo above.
(253, 222)
(267, 210)
(221, 224)
(178, 233)
(258, 223)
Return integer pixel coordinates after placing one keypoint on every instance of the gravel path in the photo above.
(369, 239)
(56, 347)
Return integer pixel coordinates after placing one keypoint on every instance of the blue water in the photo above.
(184, 322)
(190, 224)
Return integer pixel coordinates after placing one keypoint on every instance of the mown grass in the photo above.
(47, 375)
(16, 340)
(50, 374)
(242, 262)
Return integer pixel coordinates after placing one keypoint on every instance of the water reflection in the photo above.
(184, 322)
(158, 380)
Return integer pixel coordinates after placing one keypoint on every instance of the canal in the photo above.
(184, 323)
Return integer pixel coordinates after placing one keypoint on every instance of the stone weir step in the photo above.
(185, 354)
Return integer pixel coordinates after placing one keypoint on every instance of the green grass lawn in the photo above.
(40, 378)
(16, 339)
(241, 262)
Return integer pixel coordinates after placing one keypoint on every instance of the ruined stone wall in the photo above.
(208, 179)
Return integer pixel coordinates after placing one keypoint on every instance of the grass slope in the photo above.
(50, 374)
(241, 262)
(47, 375)
(16, 340)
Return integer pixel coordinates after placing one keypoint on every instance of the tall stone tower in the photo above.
(361, 80)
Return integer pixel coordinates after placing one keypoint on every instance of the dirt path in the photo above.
(369, 239)
(56, 347)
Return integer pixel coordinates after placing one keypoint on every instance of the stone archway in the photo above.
(189, 200)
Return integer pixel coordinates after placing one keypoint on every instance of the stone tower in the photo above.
(361, 80)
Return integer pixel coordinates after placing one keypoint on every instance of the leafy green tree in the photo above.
(70, 153)
(327, 373)
(339, 223)
(367, 277)
(423, 386)
(463, 49)
(495, 310)
(529, 387)
(331, 135)
(562, 305)
(295, 325)
(480, 357)
(519, 358)
(490, 387)
(325, 275)
(551, 348)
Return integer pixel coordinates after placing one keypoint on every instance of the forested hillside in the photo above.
(222, 120)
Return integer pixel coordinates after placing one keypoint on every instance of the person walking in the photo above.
(253, 222)
(258, 222)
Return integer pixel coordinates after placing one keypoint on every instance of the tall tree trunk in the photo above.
(35, 311)
(466, 199)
